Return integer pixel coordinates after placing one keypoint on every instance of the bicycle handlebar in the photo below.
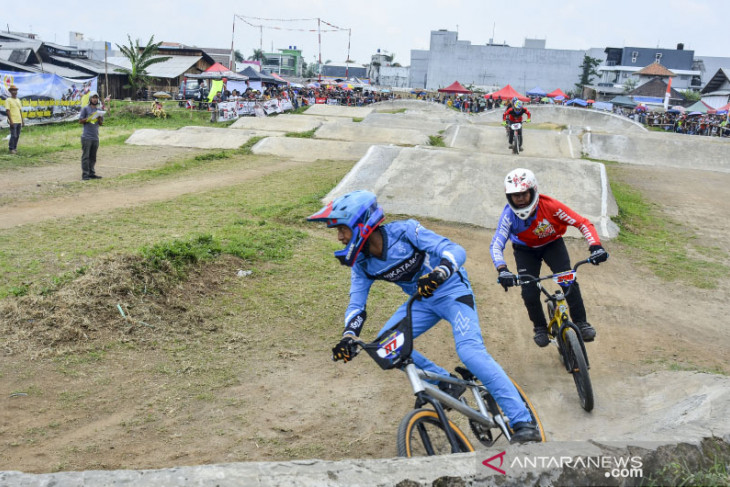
(523, 279)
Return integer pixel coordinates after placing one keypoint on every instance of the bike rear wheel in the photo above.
(516, 145)
(578, 368)
(421, 434)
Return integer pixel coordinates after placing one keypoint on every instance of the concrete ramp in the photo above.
(468, 187)
(656, 149)
(376, 134)
(576, 118)
(193, 136)
(280, 123)
(493, 139)
(338, 111)
(300, 149)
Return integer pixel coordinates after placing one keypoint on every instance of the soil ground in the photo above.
(142, 407)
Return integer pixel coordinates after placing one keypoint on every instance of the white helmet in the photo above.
(518, 181)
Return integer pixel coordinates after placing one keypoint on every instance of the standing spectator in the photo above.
(91, 118)
(14, 110)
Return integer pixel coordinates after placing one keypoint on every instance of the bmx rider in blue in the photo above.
(419, 261)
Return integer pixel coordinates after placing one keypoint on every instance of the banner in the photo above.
(231, 110)
(47, 97)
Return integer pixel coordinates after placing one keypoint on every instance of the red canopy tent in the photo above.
(507, 93)
(557, 92)
(217, 67)
(454, 87)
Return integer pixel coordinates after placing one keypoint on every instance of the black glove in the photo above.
(345, 350)
(428, 283)
(506, 278)
(598, 254)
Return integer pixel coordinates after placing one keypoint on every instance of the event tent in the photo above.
(623, 101)
(507, 93)
(723, 110)
(536, 91)
(577, 101)
(557, 92)
(699, 106)
(454, 87)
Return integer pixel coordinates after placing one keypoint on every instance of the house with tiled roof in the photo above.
(653, 91)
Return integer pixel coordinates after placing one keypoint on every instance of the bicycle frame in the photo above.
(425, 392)
(559, 320)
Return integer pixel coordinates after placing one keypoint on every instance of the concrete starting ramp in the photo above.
(196, 137)
(468, 187)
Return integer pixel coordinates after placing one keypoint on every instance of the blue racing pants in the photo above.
(455, 304)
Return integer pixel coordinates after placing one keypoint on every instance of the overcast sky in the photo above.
(396, 26)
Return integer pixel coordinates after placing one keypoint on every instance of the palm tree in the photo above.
(238, 56)
(258, 55)
(140, 58)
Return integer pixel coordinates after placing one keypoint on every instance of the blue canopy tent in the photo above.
(577, 101)
(536, 91)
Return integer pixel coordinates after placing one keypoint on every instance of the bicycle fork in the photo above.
(423, 398)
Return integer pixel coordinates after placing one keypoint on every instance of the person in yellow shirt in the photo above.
(14, 110)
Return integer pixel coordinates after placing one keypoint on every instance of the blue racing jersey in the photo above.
(409, 251)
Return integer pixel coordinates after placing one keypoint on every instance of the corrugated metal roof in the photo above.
(62, 71)
(172, 68)
(87, 64)
(19, 67)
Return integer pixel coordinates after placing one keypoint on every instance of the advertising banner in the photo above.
(47, 97)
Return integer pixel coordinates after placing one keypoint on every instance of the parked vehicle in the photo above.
(191, 90)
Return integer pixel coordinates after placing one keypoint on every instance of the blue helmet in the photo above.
(359, 211)
(517, 105)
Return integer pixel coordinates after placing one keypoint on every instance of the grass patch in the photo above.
(301, 135)
(38, 143)
(399, 110)
(436, 141)
(358, 119)
(664, 246)
(260, 220)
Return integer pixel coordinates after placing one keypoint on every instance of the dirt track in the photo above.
(644, 325)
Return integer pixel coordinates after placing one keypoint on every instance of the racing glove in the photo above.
(598, 254)
(345, 350)
(428, 283)
(506, 278)
(528, 120)
(504, 122)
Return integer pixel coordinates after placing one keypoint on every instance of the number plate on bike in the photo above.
(516, 126)
(564, 278)
(391, 345)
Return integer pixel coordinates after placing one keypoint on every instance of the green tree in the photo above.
(258, 55)
(140, 59)
(629, 85)
(690, 95)
(238, 56)
(587, 72)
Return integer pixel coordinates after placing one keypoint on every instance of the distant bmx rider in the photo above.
(419, 261)
(514, 115)
(535, 224)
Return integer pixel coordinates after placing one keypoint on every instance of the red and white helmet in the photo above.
(518, 181)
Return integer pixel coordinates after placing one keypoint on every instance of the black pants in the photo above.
(88, 157)
(529, 260)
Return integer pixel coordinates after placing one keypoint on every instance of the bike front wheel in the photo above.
(421, 434)
(578, 368)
